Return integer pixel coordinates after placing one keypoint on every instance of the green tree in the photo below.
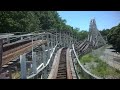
(32, 21)
(114, 37)
(18, 21)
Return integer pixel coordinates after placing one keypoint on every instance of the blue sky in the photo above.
(81, 19)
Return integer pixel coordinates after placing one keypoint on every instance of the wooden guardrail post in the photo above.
(51, 42)
(48, 48)
(34, 67)
(42, 37)
(1, 52)
(60, 42)
(23, 66)
(48, 51)
(64, 39)
(44, 54)
(69, 40)
(44, 74)
(21, 37)
(56, 38)
(8, 39)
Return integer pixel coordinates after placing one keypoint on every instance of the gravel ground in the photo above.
(106, 55)
(111, 58)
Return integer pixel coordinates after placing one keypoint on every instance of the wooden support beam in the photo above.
(69, 72)
(1, 52)
(34, 67)
(44, 54)
(54, 69)
(23, 66)
(48, 48)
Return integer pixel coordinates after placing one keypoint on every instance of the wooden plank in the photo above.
(5, 66)
(15, 49)
(9, 44)
(72, 67)
(69, 72)
(54, 69)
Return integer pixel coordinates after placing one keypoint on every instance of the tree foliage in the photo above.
(31, 21)
(104, 32)
(18, 21)
(114, 37)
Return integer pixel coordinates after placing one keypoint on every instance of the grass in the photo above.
(102, 69)
(86, 58)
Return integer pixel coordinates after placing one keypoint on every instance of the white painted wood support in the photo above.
(70, 45)
(64, 39)
(56, 38)
(51, 43)
(21, 37)
(53, 40)
(8, 39)
(32, 44)
(45, 74)
(42, 37)
(23, 66)
(60, 39)
(48, 48)
(44, 54)
(1, 52)
(34, 64)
